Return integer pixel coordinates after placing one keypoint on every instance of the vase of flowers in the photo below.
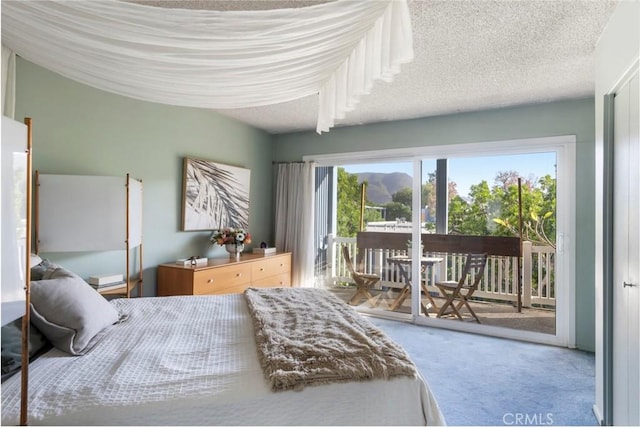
(232, 239)
(234, 250)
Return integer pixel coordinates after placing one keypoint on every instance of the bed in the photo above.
(204, 360)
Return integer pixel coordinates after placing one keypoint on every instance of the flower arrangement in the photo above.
(230, 236)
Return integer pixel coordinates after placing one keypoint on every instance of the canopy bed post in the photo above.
(26, 319)
(126, 244)
(16, 156)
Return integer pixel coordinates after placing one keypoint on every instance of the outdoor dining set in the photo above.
(456, 293)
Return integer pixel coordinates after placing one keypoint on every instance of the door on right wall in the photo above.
(626, 255)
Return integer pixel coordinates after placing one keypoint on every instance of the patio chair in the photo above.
(457, 293)
(364, 282)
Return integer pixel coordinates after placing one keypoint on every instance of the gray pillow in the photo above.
(38, 270)
(11, 338)
(68, 311)
(56, 271)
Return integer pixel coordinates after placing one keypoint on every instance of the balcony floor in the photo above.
(489, 313)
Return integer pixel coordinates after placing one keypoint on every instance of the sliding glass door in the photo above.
(387, 216)
(496, 196)
(374, 199)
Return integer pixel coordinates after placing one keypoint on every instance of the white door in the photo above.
(626, 256)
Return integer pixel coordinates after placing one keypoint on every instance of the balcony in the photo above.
(495, 301)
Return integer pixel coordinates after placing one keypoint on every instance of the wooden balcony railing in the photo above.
(498, 284)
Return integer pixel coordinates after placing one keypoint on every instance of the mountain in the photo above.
(382, 185)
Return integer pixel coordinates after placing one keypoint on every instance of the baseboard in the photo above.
(596, 413)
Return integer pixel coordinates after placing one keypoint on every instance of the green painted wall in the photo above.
(81, 130)
(559, 118)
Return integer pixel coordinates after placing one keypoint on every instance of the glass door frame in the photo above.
(565, 149)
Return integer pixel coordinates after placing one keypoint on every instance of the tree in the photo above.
(471, 218)
(538, 211)
(397, 210)
(372, 215)
(348, 209)
(495, 211)
(429, 195)
(403, 196)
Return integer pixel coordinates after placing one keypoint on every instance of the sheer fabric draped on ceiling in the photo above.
(217, 59)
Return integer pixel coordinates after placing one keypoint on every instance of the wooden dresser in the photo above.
(225, 275)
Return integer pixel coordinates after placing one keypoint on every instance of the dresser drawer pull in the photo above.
(238, 274)
(210, 280)
(261, 269)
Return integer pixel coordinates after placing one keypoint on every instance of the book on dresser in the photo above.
(109, 287)
(105, 279)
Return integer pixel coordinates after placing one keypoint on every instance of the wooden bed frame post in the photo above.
(26, 319)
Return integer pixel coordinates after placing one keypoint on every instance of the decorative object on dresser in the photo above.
(91, 213)
(225, 276)
(234, 250)
(192, 261)
(213, 195)
(265, 251)
(232, 239)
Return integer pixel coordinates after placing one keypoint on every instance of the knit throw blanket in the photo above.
(307, 336)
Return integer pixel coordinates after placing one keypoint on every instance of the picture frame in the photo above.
(214, 195)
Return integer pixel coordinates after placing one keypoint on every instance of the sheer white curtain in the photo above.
(295, 218)
(217, 59)
(8, 82)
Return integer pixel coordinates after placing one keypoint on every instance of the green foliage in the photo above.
(538, 212)
(486, 210)
(372, 215)
(348, 204)
(397, 210)
(403, 196)
(429, 195)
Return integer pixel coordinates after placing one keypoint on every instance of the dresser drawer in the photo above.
(270, 266)
(281, 280)
(223, 280)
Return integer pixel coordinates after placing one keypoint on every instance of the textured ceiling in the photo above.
(469, 55)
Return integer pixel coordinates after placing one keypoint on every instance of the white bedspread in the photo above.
(191, 360)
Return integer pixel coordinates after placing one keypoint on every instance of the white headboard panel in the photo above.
(135, 213)
(87, 213)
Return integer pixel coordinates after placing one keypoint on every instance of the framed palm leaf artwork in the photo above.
(214, 195)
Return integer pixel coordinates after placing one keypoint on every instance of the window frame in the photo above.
(564, 147)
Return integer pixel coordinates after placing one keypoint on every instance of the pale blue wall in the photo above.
(81, 130)
(560, 118)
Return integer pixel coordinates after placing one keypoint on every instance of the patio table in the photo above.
(402, 262)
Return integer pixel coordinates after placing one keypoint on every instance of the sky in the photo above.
(469, 171)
